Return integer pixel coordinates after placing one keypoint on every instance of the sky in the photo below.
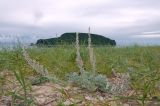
(126, 21)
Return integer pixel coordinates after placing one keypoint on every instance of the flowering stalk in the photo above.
(78, 58)
(91, 54)
(34, 64)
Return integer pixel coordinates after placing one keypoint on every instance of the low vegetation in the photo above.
(125, 75)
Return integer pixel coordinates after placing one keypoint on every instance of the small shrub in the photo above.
(102, 82)
(120, 84)
(99, 82)
(89, 81)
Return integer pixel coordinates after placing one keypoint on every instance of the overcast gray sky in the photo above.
(125, 21)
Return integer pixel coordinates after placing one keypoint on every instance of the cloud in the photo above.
(34, 19)
(153, 34)
(149, 36)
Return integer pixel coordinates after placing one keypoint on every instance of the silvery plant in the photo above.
(34, 64)
(86, 79)
(120, 84)
(91, 53)
(79, 58)
(92, 81)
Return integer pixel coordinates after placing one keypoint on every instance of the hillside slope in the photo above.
(69, 38)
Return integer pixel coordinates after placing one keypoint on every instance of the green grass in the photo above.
(61, 60)
(10, 58)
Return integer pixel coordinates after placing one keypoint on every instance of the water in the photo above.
(8, 46)
(141, 42)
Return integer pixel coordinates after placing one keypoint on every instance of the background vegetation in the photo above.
(70, 38)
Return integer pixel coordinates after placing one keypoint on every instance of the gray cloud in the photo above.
(121, 20)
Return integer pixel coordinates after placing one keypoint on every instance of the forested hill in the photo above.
(70, 38)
